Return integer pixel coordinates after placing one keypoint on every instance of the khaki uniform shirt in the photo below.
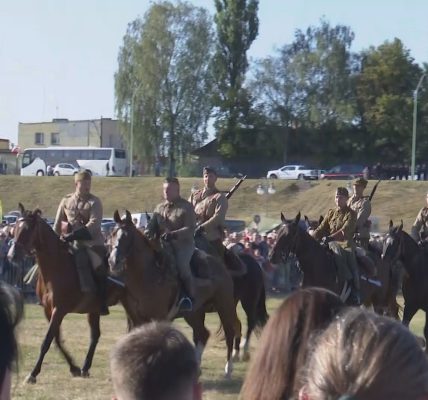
(81, 211)
(363, 208)
(420, 224)
(178, 217)
(210, 208)
(337, 219)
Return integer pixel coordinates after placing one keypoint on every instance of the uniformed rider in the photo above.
(337, 230)
(175, 220)
(362, 206)
(78, 221)
(210, 207)
(420, 227)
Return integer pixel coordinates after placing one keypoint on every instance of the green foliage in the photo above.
(237, 27)
(165, 63)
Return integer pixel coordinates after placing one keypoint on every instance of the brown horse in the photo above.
(399, 245)
(57, 288)
(154, 291)
(318, 265)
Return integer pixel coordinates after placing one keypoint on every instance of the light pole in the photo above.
(131, 139)
(415, 110)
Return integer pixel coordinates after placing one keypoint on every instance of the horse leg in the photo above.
(238, 335)
(94, 324)
(196, 321)
(228, 317)
(74, 369)
(408, 314)
(54, 324)
(250, 308)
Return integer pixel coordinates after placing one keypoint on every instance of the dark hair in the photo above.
(153, 362)
(11, 312)
(276, 371)
(170, 179)
(365, 356)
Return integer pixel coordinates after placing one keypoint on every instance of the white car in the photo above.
(293, 172)
(65, 169)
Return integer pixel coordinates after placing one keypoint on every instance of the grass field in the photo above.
(396, 200)
(55, 382)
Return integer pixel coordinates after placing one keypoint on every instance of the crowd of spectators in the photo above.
(398, 171)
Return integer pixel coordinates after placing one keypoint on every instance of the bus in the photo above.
(99, 161)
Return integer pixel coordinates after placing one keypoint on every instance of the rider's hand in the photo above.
(68, 237)
(168, 236)
(326, 240)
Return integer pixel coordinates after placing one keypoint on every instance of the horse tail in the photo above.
(262, 315)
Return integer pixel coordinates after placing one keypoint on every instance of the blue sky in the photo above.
(58, 57)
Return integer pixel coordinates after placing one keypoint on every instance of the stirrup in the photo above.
(185, 304)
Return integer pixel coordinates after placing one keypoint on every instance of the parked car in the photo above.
(293, 172)
(65, 169)
(10, 219)
(141, 219)
(343, 171)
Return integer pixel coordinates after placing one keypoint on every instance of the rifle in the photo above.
(236, 186)
(374, 190)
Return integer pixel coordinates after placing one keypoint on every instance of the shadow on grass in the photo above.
(225, 386)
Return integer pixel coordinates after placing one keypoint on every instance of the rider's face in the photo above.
(210, 179)
(171, 191)
(341, 201)
(358, 190)
(83, 186)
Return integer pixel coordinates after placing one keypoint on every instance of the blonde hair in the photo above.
(365, 356)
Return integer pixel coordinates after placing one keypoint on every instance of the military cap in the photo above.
(341, 191)
(359, 182)
(209, 170)
(82, 175)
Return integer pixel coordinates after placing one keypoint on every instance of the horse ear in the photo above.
(320, 220)
(296, 221)
(128, 217)
(400, 228)
(306, 218)
(391, 224)
(116, 217)
(21, 209)
(283, 218)
(37, 212)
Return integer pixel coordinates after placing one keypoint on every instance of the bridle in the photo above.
(284, 255)
(400, 246)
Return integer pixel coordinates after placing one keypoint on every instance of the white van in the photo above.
(141, 219)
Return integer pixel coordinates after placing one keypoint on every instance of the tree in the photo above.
(385, 86)
(237, 27)
(165, 63)
(307, 89)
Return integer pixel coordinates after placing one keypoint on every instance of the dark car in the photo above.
(343, 171)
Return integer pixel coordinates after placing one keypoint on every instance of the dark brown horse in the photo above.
(57, 288)
(154, 290)
(399, 245)
(318, 264)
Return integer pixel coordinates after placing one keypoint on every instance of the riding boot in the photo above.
(102, 293)
(186, 302)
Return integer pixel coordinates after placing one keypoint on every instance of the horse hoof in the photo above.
(30, 379)
(85, 374)
(246, 357)
(235, 357)
(75, 372)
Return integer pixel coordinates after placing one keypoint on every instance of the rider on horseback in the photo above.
(362, 206)
(78, 220)
(420, 227)
(176, 221)
(337, 230)
(210, 207)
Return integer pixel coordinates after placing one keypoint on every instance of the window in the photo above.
(39, 138)
(102, 154)
(55, 138)
(119, 153)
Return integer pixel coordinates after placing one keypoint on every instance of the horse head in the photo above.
(25, 233)
(122, 240)
(286, 241)
(393, 243)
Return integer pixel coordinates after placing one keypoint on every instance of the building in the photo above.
(8, 158)
(103, 132)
